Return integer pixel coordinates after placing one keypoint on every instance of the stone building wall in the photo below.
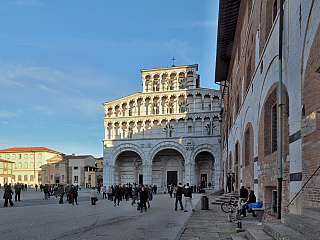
(247, 101)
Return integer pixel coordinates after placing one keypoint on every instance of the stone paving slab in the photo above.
(211, 224)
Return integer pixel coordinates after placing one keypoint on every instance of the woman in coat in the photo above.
(8, 196)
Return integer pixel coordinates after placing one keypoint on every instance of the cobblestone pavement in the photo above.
(211, 224)
(36, 218)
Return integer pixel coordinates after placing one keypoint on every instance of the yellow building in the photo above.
(27, 163)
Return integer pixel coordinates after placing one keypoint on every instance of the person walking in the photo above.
(104, 192)
(187, 197)
(135, 194)
(179, 197)
(74, 194)
(8, 196)
(46, 191)
(93, 196)
(143, 199)
(61, 193)
(117, 194)
(17, 191)
(36, 186)
(109, 192)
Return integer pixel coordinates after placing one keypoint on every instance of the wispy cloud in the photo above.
(7, 114)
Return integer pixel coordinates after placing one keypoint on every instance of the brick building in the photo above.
(247, 68)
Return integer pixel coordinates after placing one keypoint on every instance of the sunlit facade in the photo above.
(168, 133)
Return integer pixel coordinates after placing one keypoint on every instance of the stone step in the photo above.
(305, 225)
(239, 236)
(279, 232)
(257, 233)
(311, 213)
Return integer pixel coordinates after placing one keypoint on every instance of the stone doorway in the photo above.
(172, 177)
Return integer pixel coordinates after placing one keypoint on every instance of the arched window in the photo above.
(40, 164)
(32, 165)
(20, 165)
(25, 165)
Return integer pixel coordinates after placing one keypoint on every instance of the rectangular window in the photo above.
(40, 156)
(19, 156)
(76, 168)
(8, 156)
(25, 178)
(51, 177)
(189, 129)
(57, 166)
(13, 166)
(31, 177)
(75, 179)
(13, 156)
(26, 156)
(40, 177)
(19, 177)
(89, 176)
(31, 156)
(274, 134)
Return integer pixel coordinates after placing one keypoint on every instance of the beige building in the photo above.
(6, 174)
(27, 163)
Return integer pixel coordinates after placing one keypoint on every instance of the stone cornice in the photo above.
(160, 94)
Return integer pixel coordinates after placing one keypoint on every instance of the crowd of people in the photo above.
(138, 194)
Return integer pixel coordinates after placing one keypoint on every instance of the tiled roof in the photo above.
(24, 149)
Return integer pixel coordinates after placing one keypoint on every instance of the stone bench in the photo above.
(259, 212)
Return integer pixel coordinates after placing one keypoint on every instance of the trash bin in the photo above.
(204, 203)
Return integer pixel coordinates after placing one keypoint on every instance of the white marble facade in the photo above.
(168, 133)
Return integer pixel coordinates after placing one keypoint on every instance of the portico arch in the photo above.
(123, 148)
(168, 167)
(204, 169)
(167, 145)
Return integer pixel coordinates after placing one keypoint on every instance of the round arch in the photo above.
(124, 148)
(166, 145)
(203, 148)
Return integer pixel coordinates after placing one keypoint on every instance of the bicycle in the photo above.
(230, 206)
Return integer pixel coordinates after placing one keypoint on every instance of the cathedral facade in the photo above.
(168, 133)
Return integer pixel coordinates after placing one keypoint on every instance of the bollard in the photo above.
(204, 203)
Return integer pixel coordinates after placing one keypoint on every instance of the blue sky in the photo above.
(60, 60)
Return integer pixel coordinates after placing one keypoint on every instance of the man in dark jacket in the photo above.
(179, 197)
(17, 190)
(46, 191)
(74, 194)
(117, 194)
(8, 196)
